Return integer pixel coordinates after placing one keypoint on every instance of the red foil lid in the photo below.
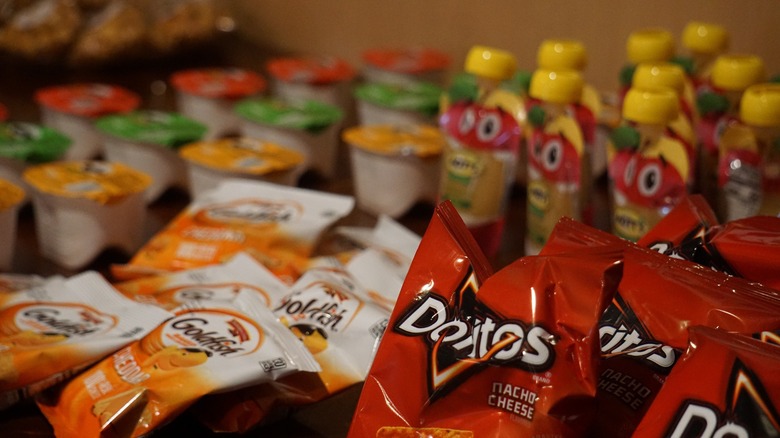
(312, 70)
(225, 83)
(411, 61)
(88, 99)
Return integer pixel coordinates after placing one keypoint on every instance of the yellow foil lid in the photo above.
(99, 181)
(558, 54)
(705, 38)
(556, 86)
(760, 105)
(490, 63)
(657, 106)
(736, 72)
(660, 74)
(242, 155)
(650, 45)
(417, 140)
(10, 195)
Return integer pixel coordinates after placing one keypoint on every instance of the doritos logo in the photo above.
(465, 335)
(749, 412)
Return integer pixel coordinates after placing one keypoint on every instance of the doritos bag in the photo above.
(725, 385)
(470, 354)
(747, 248)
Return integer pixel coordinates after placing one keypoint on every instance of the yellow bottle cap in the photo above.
(705, 37)
(657, 106)
(659, 74)
(491, 63)
(650, 45)
(760, 105)
(556, 86)
(557, 54)
(736, 72)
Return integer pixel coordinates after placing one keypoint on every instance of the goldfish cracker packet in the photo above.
(206, 347)
(724, 385)
(222, 282)
(279, 226)
(747, 247)
(51, 331)
(473, 354)
(643, 332)
(387, 236)
(340, 326)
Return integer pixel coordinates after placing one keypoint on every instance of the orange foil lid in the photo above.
(412, 60)
(242, 155)
(312, 70)
(420, 140)
(102, 182)
(10, 194)
(226, 83)
(89, 99)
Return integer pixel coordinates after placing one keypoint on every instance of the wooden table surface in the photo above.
(149, 79)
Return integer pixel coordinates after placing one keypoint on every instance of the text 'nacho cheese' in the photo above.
(279, 226)
(149, 382)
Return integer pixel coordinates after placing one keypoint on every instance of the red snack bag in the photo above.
(747, 248)
(726, 385)
(511, 355)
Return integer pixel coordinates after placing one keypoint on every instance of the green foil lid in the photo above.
(422, 98)
(154, 127)
(31, 143)
(309, 116)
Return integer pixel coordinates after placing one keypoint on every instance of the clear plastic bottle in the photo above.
(567, 54)
(669, 75)
(703, 42)
(647, 167)
(483, 138)
(557, 163)
(731, 75)
(749, 166)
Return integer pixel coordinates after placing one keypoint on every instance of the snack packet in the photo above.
(222, 282)
(277, 225)
(747, 247)
(341, 327)
(205, 347)
(724, 385)
(470, 354)
(51, 331)
(644, 330)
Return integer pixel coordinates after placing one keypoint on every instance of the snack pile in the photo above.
(642, 297)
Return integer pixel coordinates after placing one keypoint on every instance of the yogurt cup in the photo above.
(394, 167)
(212, 162)
(84, 207)
(311, 128)
(23, 143)
(72, 109)
(405, 66)
(327, 79)
(149, 141)
(11, 197)
(411, 104)
(208, 96)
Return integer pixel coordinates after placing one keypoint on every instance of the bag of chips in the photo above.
(467, 353)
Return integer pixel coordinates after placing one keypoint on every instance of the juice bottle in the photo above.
(749, 166)
(703, 42)
(647, 167)
(731, 75)
(644, 45)
(669, 75)
(557, 163)
(563, 54)
(483, 138)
